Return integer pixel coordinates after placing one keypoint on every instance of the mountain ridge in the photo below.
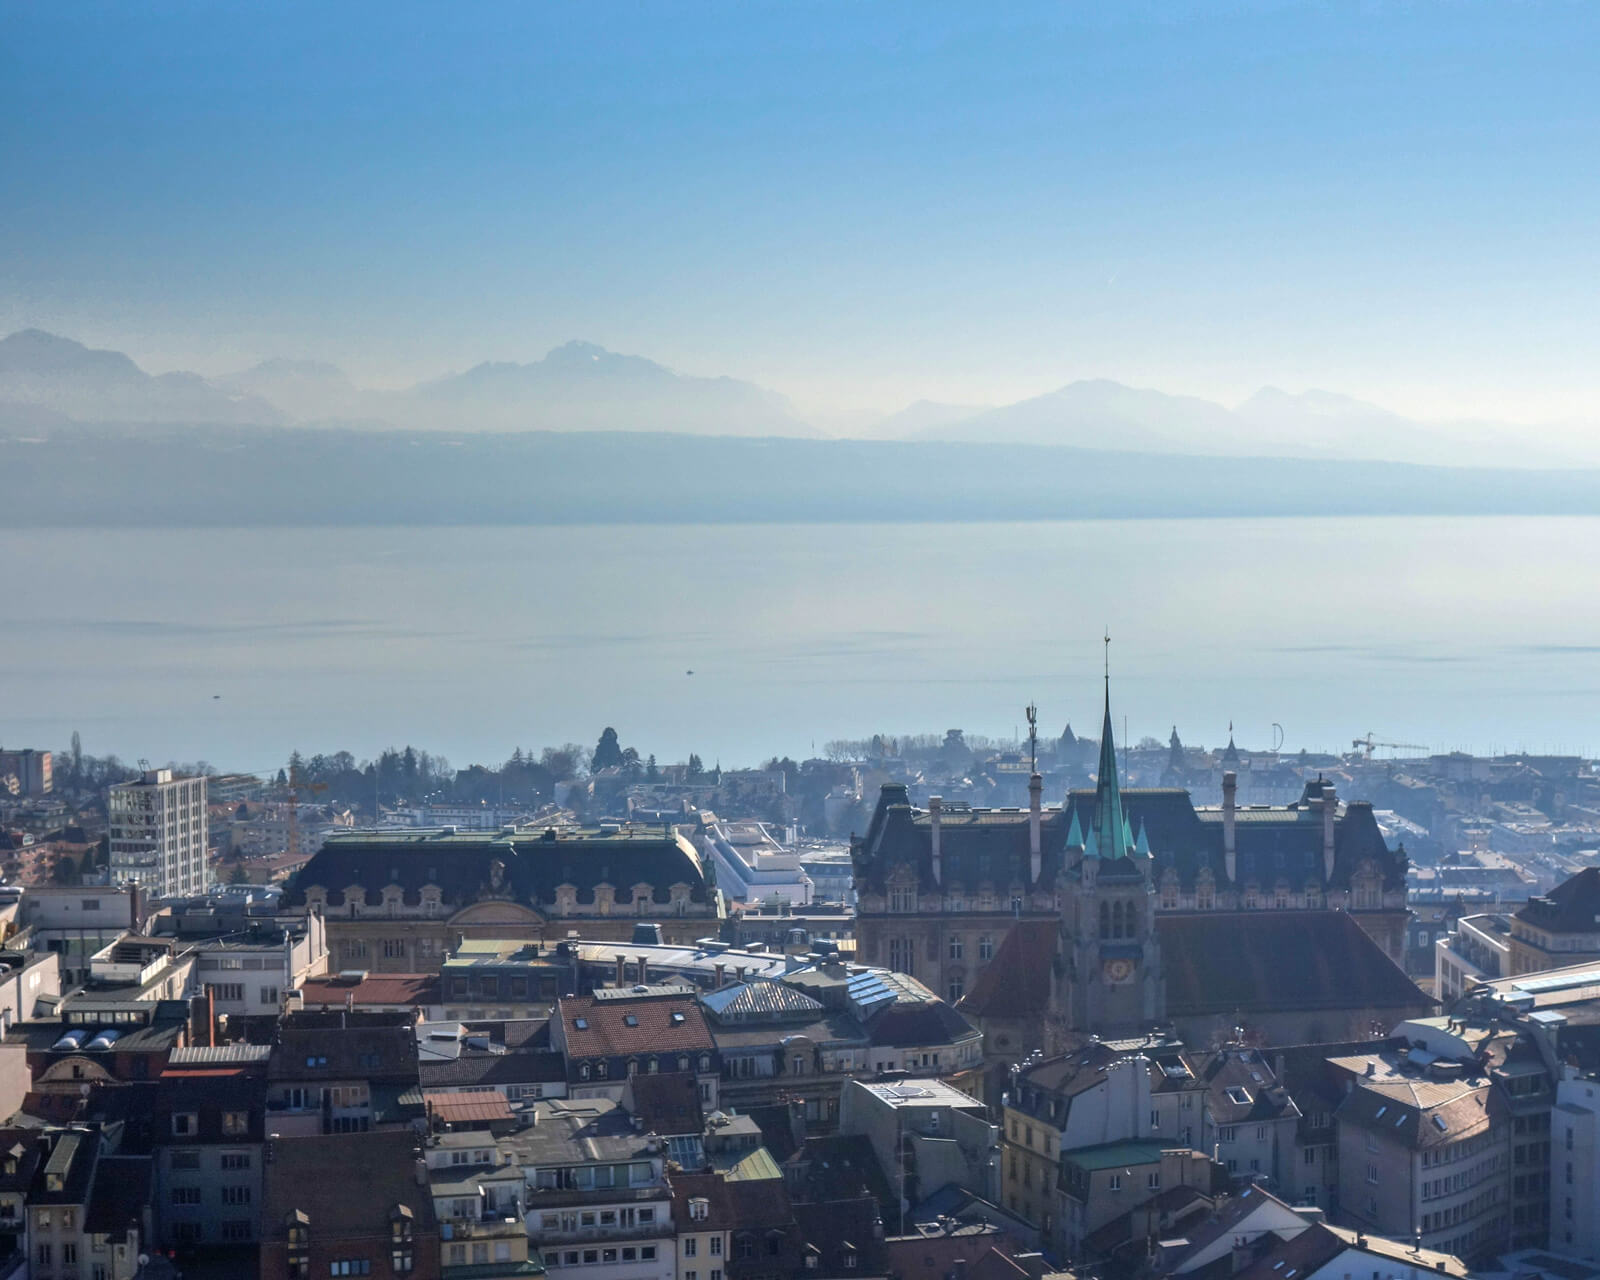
(582, 386)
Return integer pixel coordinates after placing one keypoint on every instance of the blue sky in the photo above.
(858, 204)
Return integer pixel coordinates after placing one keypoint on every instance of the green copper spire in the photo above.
(1141, 846)
(1109, 836)
(1074, 833)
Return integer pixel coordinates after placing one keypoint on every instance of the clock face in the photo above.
(1119, 970)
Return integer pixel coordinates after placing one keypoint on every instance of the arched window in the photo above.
(1105, 920)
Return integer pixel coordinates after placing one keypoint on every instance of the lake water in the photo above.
(236, 646)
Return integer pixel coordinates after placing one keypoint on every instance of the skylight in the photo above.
(582, 1024)
(677, 1018)
(630, 1020)
(1381, 1110)
(1238, 1095)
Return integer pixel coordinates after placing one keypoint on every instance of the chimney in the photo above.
(644, 970)
(211, 1016)
(722, 976)
(1035, 803)
(622, 970)
(133, 906)
(1330, 811)
(933, 837)
(1230, 807)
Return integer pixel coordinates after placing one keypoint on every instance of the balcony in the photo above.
(603, 1235)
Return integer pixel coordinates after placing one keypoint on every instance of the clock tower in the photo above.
(1110, 982)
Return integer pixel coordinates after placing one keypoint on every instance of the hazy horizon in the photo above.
(857, 207)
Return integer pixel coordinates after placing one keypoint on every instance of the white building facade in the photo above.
(159, 834)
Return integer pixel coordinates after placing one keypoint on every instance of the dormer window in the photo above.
(299, 1253)
(401, 1256)
(699, 1208)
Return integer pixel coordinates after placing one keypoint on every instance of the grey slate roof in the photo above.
(991, 845)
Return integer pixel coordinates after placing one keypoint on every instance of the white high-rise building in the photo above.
(159, 834)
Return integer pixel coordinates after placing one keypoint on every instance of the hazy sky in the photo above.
(857, 204)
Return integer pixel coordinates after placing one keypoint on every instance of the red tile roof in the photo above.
(459, 1106)
(1016, 983)
(613, 1028)
(391, 989)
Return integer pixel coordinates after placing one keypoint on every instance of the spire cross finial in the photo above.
(1108, 657)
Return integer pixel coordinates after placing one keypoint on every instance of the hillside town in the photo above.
(921, 1009)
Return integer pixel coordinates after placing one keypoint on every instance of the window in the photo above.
(350, 1267)
(394, 948)
(716, 1250)
(400, 1255)
(269, 995)
(955, 989)
(185, 1159)
(237, 1194)
(235, 1159)
(90, 904)
(299, 1247)
(1372, 1173)
(236, 1229)
(902, 899)
(235, 1123)
(185, 1124)
(647, 1253)
(1228, 1133)
(957, 948)
(228, 990)
(185, 1195)
(1115, 1184)
(690, 1245)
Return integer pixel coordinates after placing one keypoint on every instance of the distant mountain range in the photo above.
(577, 387)
(48, 381)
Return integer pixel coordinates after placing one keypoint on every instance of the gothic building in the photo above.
(940, 890)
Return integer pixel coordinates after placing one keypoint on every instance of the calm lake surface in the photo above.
(236, 646)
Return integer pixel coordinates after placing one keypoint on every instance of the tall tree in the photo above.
(607, 752)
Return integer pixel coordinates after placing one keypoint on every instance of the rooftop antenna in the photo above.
(1033, 738)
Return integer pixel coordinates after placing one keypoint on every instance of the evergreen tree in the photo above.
(607, 752)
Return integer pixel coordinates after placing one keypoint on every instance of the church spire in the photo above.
(1108, 835)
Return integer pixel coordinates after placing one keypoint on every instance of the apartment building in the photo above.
(596, 1197)
(159, 834)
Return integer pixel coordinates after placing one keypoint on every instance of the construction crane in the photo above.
(1370, 743)
(296, 786)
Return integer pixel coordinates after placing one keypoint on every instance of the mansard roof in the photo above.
(991, 845)
(532, 864)
(1573, 906)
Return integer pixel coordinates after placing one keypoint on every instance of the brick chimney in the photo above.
(644, 970)
(622, 970)
(1035, 817)
(1230, 809)
(934, 804)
